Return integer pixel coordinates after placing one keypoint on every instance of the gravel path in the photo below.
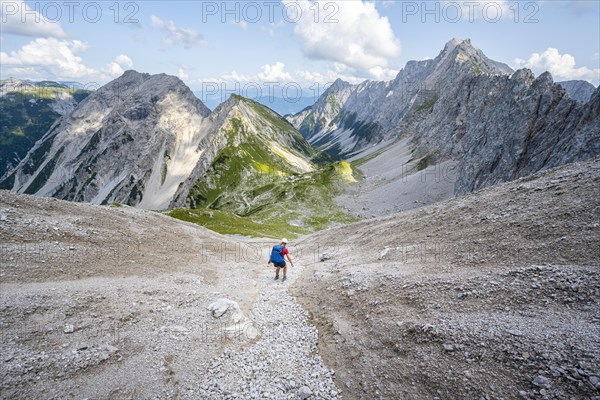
(113, 303)
(282, 363)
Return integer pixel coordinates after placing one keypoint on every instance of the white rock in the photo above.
(304, 392)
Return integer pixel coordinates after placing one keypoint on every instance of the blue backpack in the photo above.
(277, 254)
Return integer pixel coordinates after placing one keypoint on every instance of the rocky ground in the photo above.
(115, 303)
(494, 295)
(393, 183)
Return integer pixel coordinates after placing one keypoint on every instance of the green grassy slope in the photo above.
(256, 190)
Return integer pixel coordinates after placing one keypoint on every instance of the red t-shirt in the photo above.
(284, 252)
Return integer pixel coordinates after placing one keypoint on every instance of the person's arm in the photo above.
(289, 259)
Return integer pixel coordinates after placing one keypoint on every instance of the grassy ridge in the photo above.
(285, 207)
(255, 188)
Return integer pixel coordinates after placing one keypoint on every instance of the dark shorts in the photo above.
(279, 264)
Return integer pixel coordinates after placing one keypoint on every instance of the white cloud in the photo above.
(232, 77)
(308, 79)
(49, 58)
(361, 38)
(175, 35)
(268, 73)
(54, 59)
(19, 19)
(383, 74)
(182, 74)
(310, 83)
(124, 61)
(561, 66)
(274, 73)
(114, 70)
(118, 66)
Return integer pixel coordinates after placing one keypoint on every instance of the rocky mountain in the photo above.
(107, 148)
(462, 107)
(147, 141)
(348, 118)
(500, 128)
(579, 90)
(27, 110)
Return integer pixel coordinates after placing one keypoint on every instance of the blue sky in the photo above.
(258, 43)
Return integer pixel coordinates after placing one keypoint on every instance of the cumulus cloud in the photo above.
(348, 32)
(118, 66)
(20, 19)
(383, 74)
(49, 58)
(309, 79)
(176, 36)
(274, 73)
(182, 74)
(268, 73)
(124, 60)
(561, 66)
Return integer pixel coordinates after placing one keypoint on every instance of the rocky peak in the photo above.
(338, 85)
(579, 90)
(141, 90)
(13, 84)
(458, 51)
(452, 43)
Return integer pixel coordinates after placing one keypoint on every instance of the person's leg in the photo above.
(284, 271)
(277, 272)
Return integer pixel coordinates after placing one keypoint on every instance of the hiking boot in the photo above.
(276, 277)
(284, 278)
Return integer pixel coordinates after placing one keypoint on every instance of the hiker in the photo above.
(277, 257)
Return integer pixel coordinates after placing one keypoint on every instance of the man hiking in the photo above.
(277, 258)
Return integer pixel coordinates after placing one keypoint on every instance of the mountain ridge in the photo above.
(27, 110)
(462, 108)
(578, 89)
(171, 151)
(348, 118)
(146, 141)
